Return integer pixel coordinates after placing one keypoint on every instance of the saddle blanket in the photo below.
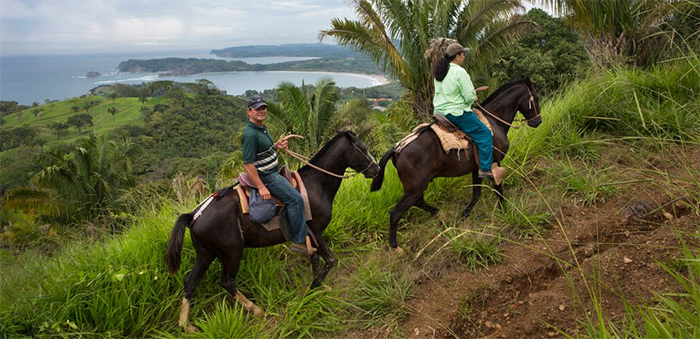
(449, 141)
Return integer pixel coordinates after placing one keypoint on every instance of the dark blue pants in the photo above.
(480, 134)
(283, 190)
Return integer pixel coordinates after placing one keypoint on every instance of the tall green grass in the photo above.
(662, 102)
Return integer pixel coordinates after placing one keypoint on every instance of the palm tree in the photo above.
(622, 31)
(80, 121)
(395, 34)
(306, 110)
(81, 185)
(356, 115)
(112, 111)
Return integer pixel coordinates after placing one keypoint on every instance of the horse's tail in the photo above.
(379, 179)
(172, 257)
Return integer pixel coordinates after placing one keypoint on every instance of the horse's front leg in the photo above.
(325, 252)
(498, 174)
(476, 193)
(499, 193)
(314, 263)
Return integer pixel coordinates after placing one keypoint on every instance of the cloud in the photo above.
(147, 29)
(75, 26)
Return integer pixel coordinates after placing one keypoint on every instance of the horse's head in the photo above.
(358, 157)
(530, 108)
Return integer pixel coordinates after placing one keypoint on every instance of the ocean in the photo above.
(29, 79)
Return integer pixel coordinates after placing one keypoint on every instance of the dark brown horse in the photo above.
(423, 159)
(222, 231)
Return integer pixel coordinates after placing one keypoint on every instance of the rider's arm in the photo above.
(253, 175)
(468, 92)
(249, 150)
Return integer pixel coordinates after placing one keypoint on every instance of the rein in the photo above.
(530, 105)
(305, 160)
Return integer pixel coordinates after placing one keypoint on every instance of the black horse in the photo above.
(424, 159)
(222, 231)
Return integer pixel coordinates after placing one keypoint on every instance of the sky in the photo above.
(41, 27)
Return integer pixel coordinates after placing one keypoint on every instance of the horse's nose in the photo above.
(535, 122)
(372, 171)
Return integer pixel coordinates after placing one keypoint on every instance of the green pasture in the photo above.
(128, 113)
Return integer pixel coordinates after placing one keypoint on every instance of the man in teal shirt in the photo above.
(261, 164)
(454, 97)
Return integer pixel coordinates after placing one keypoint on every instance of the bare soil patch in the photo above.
(602, 255)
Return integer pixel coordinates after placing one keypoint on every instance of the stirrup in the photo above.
(485, 174)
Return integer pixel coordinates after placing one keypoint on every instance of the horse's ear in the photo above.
(345, 132)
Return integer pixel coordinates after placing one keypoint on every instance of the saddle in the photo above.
(448, 126)
(277, 222)
(451, 138)
(247, 184)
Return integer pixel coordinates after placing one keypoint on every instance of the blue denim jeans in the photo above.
(480, 134)
(283, 190)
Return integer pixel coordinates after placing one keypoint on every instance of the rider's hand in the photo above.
(283, 142)
(264, 193)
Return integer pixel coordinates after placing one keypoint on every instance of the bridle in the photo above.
(305, 160)
(530, 105)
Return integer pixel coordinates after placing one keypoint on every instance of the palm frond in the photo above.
(41, 201)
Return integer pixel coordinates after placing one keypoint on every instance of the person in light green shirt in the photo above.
(454, 97)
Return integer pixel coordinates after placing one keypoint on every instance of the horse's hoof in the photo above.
(442, 216)
(399, 251)
(189, 329)
(466, 213)
(257, 311)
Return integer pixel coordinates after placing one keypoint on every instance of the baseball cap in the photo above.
(256, 102)
(455, 49)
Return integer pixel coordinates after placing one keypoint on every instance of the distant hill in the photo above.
(289, 50)
(330, 58)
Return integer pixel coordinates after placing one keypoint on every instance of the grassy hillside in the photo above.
(597, 137)
(128, 113)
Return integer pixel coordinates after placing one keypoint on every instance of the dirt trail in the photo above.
(545, 285)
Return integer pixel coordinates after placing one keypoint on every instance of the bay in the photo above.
(28, 79)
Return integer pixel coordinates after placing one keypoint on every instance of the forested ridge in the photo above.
(319, 50)
(328, 58)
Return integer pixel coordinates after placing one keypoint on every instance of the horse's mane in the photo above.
(327, 146)
(505, 88)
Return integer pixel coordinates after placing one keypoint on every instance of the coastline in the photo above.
(377, 79)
